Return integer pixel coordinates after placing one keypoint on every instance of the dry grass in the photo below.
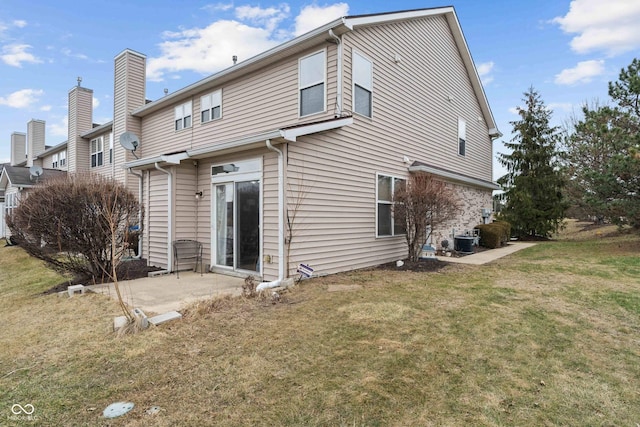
(545, 337)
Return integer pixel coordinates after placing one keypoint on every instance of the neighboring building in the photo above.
(292, 156)
(2, 223)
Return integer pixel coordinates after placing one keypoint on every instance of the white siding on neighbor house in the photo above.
(418, 100)
(2, 223)
(259, 102)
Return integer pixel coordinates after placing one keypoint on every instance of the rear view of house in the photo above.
(292, 156)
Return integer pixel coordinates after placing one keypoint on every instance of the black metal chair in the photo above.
(186, 250)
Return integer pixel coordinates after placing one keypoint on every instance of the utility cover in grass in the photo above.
(117, 409)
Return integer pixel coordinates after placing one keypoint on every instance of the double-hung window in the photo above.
(54, 161)
(311, 83)
(97, 152)
(362, 85)
(183, 116)
(62, 158)
(388, 224)
(462, 136)
(211, 106)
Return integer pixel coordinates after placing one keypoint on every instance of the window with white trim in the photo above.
(62, 158)
(311, 83)
(362, 85)
(54, 161)
(182, 116)
(97, 152)
(387, 224)
(462, 136)
(211, 106)
(111, 147)
(10, 203)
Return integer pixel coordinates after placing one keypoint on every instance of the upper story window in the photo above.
(211, 106)
(54, 161)
(362, 85)
(311, 83)
(97, 152)
(62, 158)
(387, 224)
(183, 116)
(462, 136)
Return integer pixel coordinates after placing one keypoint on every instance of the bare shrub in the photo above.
(77, 224)
(249, 287)
(425, 203)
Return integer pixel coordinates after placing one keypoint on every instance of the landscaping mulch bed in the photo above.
(127, 270)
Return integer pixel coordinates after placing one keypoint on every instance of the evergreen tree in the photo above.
(533, 185)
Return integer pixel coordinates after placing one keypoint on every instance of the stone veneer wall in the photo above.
(472, 201)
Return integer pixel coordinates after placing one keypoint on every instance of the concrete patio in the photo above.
(163, 293)
(485, 257)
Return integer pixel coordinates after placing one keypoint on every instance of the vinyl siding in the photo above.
(411, 107)
(158, 216)
(80, 121)
(261, 101)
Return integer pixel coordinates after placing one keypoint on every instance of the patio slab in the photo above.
(164, 293)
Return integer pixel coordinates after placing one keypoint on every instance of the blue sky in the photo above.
(567, 50)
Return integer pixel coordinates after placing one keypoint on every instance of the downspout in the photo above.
(169, 216)
(139, 213)
(281, 231)
(338, 112)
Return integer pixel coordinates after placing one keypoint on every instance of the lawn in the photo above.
(547, 336)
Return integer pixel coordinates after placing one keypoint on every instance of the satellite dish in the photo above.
(130, 141)
(35, 170)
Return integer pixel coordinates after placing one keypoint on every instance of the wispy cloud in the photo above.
(60, 128)
(254, 30)
(602, 26)
(484, 71)
(22, 98)
(583, 72)
(16, 54)
(313, 16)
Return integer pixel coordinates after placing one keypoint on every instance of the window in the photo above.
(111, 147)
(62, 158)
(387, 224)
(362, 85)
(97, 151)
(54, 161)
(211, 106)
(462, 136)
(183, 116)
(312, 83)
(11, 202)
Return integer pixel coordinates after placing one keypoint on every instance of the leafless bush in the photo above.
(249, 287)
(425, 203)
(77, 224)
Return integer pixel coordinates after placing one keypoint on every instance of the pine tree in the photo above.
(533, 185)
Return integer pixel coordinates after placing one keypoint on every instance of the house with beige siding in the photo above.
(292, 156)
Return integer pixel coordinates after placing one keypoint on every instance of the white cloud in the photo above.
(67, 52)
(21, 98)
(484, 71)
(514, 110)
(269, 17)
(16, 54)
(313, 16)
(566, 107)
(583, 72)
(254, 30)
(45, 108)
(218, 7)
(61, 128)
(608, 26)
(20, 23)
(95, 103)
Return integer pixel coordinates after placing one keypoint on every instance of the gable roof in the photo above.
(20, 177)
(338, 27)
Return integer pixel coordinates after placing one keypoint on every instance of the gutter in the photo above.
(338, 40)
(169, 216)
